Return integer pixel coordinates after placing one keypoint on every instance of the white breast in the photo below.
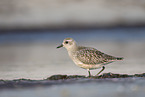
(82, 65)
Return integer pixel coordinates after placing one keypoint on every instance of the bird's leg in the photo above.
(101, 70)
(89, 72)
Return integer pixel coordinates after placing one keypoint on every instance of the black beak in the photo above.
(60, 46)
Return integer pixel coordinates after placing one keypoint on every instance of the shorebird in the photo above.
(87, 57)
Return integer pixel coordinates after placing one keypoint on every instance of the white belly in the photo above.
(82, 65)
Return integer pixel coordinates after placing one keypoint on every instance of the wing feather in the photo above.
(93, 56)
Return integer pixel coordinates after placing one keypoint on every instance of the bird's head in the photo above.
(68, 43)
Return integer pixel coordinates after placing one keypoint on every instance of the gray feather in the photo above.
(92, 56)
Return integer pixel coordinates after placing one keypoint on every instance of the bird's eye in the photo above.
(66, 42)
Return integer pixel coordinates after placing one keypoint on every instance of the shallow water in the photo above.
(34, 55)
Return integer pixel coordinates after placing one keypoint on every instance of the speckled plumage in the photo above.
(92, 56)
(87, 57)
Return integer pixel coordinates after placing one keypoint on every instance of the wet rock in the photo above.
(139, 75)
(105, 75)
(76, 76)
(111, 75)
(57, 77)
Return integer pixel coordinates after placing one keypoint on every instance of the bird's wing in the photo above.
(93, 56)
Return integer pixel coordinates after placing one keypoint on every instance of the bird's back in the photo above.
(93, 56)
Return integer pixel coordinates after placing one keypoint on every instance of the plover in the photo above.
(87, 57)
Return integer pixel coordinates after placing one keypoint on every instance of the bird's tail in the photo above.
(120, 58)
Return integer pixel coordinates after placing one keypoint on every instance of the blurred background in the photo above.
(52, 14)
(30, 31)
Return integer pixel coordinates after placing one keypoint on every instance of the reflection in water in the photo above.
(34, 55)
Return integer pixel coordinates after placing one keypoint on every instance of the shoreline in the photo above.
(68, 79)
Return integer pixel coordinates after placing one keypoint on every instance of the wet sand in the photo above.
(34, 55)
